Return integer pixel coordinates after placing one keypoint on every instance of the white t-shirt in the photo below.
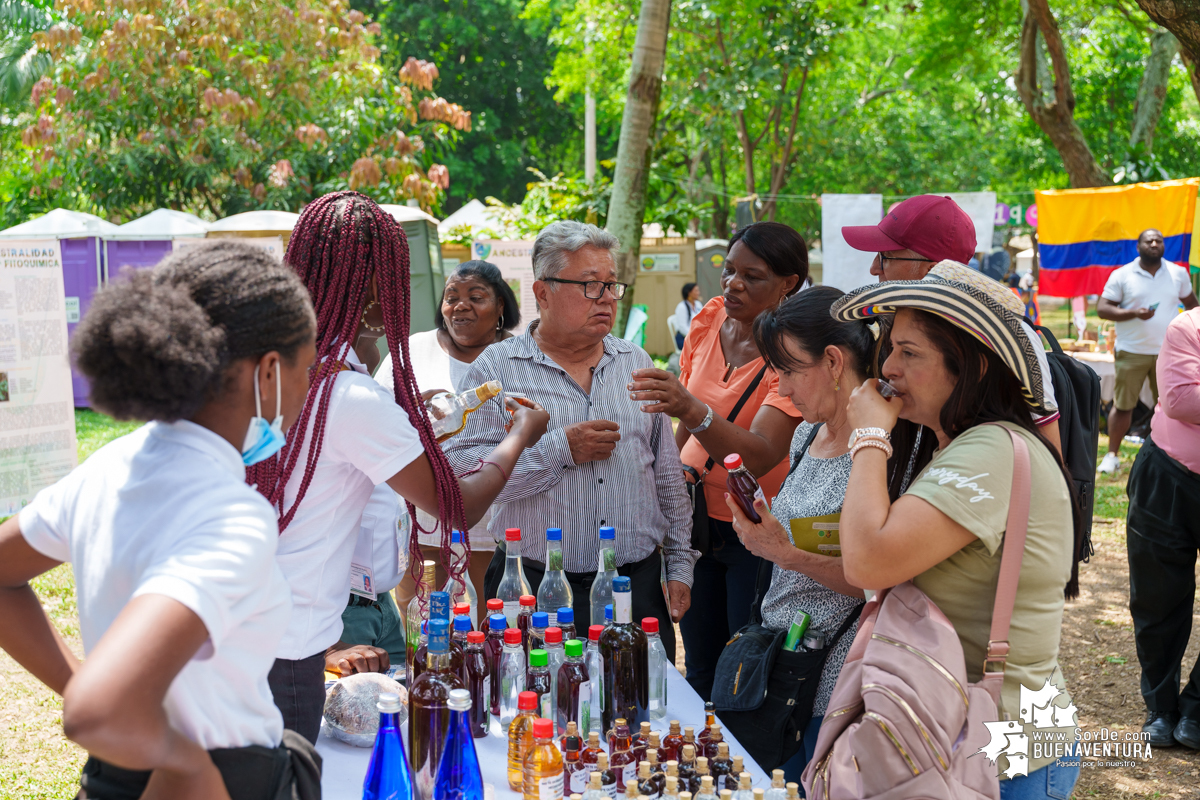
(368, 439)
(435, 369)
(166, 510)
(1048, 399)
(1131, 286)
(683, 320)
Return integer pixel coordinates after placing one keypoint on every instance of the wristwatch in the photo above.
(703, 426)
(863, 433)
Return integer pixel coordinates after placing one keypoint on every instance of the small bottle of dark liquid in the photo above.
(721, 765)
(608, 776)
(477, 673)
(622, 760)
(494, 644)
(687, 768)
(574, 689)
(710, 719)
(592, 750)
(733, 781)
(743, 487)
(640, 740)
(575, 772)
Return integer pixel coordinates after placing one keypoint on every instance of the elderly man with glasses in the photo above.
(602, 462)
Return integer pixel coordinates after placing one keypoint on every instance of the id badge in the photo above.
(362, 577)
(817, 534)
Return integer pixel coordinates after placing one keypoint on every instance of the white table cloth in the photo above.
(345, 766)
(1103, 365)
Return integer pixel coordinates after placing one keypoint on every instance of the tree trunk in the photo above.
(1048, 95)
(1193, 71)
(1152, 92)
(627, 207)
(1182, 18)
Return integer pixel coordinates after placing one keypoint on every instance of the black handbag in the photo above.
(701, 538)
(764, 694)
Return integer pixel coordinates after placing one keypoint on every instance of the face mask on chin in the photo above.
(264, 440)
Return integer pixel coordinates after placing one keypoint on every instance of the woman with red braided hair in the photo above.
(353, 435)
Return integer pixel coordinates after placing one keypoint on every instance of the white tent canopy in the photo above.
(61, 224)
(255, 221)
(474, 213)
(163, 223)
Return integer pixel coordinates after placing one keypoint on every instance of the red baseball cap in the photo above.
(927, 224)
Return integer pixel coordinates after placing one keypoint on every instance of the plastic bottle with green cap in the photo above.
(537, 680)
(574, 689)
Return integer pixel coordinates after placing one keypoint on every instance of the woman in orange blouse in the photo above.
(767, 262)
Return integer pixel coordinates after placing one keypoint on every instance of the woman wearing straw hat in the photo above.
(960, 359)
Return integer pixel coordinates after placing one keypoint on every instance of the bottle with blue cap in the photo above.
(623, 649)
(429, 708)
(606, 570)
(439, 608)
(388, 775)
(566, 621)
(554, 591)
(537, 630)
(461, 591)
(459, 776)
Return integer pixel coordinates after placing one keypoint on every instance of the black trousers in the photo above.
(299, 691)
(1162, 538)
(645, 585)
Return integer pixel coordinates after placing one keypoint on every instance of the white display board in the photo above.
(981, 208)
(515, 260)
(844, 267)
(37, 414)
(272, 244)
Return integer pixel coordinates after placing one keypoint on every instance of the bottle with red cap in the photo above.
(542, 778)
(743, 487)
(477, 674)
(594, 661)
(656, 667)
(526, 605)
(520, 737)
(512, 676)
(493, 644)
(512, 583)
(464, 610)
(494, 606)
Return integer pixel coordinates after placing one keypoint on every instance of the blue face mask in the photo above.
(263, 440)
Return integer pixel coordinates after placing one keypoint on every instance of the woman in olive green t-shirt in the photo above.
(945, 534)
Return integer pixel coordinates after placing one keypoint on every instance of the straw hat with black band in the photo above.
(969, 300)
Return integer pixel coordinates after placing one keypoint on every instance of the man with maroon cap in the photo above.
(914, 236)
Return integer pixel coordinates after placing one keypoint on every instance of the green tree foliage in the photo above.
(227, 105)
(21, 62)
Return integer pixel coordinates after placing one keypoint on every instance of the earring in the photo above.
(500, 322)
(367, 325)
(837, 387)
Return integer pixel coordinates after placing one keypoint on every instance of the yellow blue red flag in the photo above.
(1084, 234)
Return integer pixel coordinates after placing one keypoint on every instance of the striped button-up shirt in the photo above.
(639, 489)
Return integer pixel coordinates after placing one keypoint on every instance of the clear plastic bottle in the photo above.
(777, 791)
(555, 657)
(538, 622)
(458, 774)
(512, 676)
(537, 679)
(494, 645)
(520, 737)
(388, 773)
(672, 741)
(429, 710)
(733, 781)
(477, 674)
(623, 646)
(595, 791)
(706, 789)
(448, 412)
(743, 487)
(606, 570)
(573, 689)
(656, 670)
(418, 612)
(461, 591)
(565, 619)
(512, 583)
(595, 668)
(744, 790)
(543, 766)
(554, 592)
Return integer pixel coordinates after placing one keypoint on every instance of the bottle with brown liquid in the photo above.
(743, 487)
(734, 778)
(448, 412)
(520, 738)
(429, 709)
(647, 786)
(622, 760)
(722, 764)
(672, 742)
(710, 719)
(477, 673)
(640, 740)
(575, 772)
(608, 777)
(701, 772)
(591, 749)
(623, 650)
(687, 768)
(715, 737)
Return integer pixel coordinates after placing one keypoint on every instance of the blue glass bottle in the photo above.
(458, 775)
(388, 777)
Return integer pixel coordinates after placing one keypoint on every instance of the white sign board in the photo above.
(844, 267)
(981, 208)
(37, 408)
(515, 260)
(272, 244)
(660, 262)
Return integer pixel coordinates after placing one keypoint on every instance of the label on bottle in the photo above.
(611, 790)
(762, 498)
(579, 781)
(629, 773)
(622, 608)
(487, 690)
(553, 616)
(550, 787)
(511, 609)
(545, 707)
(583, 714)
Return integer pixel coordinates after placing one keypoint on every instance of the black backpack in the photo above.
(1077, 390)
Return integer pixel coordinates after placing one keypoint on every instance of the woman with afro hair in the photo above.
(353, 435)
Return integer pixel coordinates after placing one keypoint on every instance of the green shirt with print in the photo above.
(970, 481)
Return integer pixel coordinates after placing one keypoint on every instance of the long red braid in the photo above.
(341, 241)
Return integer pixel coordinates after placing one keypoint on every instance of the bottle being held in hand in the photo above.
(448, 412)
(512, 583)
(743, 487)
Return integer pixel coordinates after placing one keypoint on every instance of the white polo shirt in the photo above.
(166, 510)
(1131, 286)
(368, 439)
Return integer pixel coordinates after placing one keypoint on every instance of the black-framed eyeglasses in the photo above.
(594, 290)
(883, 260)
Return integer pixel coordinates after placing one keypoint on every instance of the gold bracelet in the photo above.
(871, 442)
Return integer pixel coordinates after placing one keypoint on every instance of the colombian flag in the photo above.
(1084, 234)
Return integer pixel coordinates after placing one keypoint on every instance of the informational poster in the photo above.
(844, 267)
(660, 262)
(515, 260)
(981, 208)
(272, 244)
(37, 416)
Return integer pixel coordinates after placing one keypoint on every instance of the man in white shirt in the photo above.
(1142, 298)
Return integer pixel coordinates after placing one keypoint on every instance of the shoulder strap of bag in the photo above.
(1010, 561)
(763, 578)
(737, 409)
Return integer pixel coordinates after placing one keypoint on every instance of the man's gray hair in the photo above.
(559, 239)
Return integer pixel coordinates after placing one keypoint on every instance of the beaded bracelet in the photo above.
(871, 442)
